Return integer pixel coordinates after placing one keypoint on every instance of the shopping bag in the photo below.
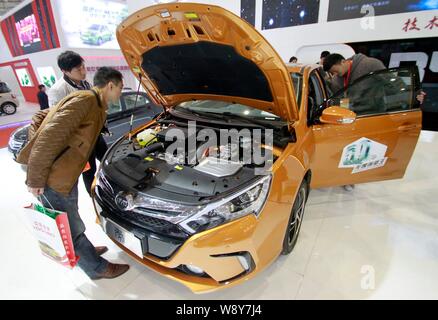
(52, 230)
(87, 167)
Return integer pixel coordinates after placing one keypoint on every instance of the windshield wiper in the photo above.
(231, 116)
(209, 115)
(227, 116)
(255, 121)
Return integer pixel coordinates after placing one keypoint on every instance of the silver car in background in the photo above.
(8, 101)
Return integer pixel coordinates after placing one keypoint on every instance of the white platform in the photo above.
(388, 230)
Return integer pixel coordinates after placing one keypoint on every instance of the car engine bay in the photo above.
(142, 163)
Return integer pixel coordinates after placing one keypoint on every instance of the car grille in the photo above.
(15, 145)
(107, 192)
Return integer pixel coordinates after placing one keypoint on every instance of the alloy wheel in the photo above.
(294, 226)
(9, 108)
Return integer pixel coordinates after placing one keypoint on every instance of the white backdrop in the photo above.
(287, 41)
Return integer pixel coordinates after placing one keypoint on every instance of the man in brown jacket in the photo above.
(57, 154)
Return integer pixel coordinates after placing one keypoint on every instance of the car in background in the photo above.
(96, 34)
(119, 118)
(119, 114)
(8, 101)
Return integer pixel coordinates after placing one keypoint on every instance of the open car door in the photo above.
(380, 143)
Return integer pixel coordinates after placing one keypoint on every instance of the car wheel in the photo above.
(9, 108)
(296, 219)
(99, 41)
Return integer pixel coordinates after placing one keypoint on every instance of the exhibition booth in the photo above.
(41, 30)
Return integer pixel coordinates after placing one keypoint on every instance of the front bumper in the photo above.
(215, 251)
(228, 254)
(218, 252)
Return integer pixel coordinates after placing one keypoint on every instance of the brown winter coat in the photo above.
(59, 150)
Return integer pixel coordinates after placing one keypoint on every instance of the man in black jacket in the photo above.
(43, 99)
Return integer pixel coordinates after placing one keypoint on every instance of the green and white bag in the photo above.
(52, 230)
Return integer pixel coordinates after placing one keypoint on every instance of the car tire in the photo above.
(99, 41)
(295, 219)
(8, 108)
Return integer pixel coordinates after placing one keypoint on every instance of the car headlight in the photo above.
(248, 201)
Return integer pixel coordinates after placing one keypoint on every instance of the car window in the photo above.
(114, 108)
(315, 98)
(379, 93)
(4, 88)
(130, 100)
(317, 90)
(297, 80)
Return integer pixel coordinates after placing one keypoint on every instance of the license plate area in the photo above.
(123, 236)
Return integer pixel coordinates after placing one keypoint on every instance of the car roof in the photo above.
(302, 68)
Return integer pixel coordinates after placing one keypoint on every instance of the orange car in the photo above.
(209, 223)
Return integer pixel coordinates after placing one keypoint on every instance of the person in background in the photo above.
(74, 73)
(43, 99)
(346, 71)
(55, 161)
(324, 54)
(73, 67)
(293, 60)
(327, 76)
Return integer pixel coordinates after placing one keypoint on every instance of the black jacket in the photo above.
(43, 100)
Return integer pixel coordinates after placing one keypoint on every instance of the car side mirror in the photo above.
(337, 115)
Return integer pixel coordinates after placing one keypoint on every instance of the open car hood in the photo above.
(185, 51)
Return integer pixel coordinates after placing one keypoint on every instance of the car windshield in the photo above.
(227, 109)
(4, 88)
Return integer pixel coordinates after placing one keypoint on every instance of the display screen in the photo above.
(47, 76)
(92, 23)
(247, 10)
(28, 32)
(351, 9)
(287, 13)
(24, 77)
(31, 29)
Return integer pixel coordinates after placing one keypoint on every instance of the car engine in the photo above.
(144, 164)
